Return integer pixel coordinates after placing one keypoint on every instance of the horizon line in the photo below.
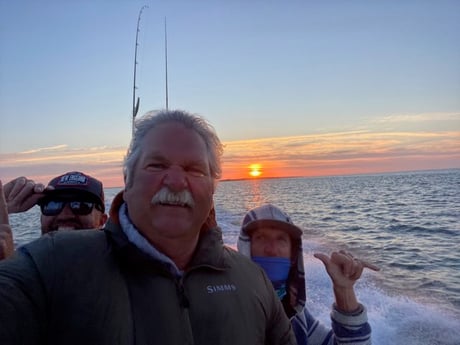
(331, 175)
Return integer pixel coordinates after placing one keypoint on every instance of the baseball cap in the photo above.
(270, 215)
(76, 183)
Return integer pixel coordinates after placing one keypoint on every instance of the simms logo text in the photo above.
(221, 288)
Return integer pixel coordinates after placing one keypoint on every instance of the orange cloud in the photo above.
(45, 163)
(338, 153)
(343, 153)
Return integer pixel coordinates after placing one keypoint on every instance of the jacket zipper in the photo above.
(183, 300)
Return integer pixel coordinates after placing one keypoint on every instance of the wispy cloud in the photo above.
(44, 149)
(44, 163)
(417, 118)
(347, 152)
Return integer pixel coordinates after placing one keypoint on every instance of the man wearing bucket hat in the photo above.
(72, 201)
(272, 240)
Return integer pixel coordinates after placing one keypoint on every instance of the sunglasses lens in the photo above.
(81, 208)
(52, 207)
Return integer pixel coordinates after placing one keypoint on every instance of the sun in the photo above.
(255, 170)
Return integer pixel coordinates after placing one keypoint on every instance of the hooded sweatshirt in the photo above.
(347, 328)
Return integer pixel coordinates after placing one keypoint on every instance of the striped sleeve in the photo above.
(351, 329)
(347, 329)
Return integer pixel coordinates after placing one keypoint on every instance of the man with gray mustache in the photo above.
(158, 273)
(165, 195)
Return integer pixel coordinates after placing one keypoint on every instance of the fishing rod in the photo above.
(136, 103)
(166, 65)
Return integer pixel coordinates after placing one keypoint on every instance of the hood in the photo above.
(296, 280)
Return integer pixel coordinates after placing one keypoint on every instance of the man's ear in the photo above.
(104, 218)
(211, 221)
(125, 180)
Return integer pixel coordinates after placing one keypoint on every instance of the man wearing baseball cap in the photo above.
(272, 240)
(72, 201)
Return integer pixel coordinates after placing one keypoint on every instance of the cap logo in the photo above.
(73, 179)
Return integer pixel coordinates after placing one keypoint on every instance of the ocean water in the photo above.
(406, 223)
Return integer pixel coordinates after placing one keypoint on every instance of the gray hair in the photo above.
(195, 122)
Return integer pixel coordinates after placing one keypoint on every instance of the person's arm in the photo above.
(21, 194)
(308, 330)
(349, 317)
(18, 195)
(22, 301)
(344, 270)
(21, 293)
(351, 328)
(346, 329)
(6, 235)
(18, 305)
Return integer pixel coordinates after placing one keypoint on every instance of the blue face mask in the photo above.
(277, 269)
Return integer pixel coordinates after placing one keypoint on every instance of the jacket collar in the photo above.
(209, 251)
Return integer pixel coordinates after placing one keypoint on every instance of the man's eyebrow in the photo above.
(155, 155)
(187, 162)
(197, 162)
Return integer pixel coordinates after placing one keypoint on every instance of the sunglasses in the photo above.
(78, 207)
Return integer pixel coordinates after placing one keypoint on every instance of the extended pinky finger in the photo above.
(373, 267)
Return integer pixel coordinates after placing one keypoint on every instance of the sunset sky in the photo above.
(298, 88)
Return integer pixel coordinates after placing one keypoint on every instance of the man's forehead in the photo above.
(158, 155)
(173, 135)
(167, 127)
(173, 139)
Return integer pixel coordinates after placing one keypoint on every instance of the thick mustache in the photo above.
(166, 196)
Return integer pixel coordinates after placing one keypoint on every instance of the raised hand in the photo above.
(21, 194)
(344, 270)
(6, 235)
